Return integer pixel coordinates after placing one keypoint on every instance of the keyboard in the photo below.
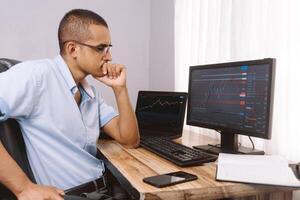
(177, 153)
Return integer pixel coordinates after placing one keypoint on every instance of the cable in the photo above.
(251, 143)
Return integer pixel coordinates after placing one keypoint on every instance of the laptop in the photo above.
(160, 117)
(160, 114)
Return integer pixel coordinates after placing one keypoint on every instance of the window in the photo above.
(212, 31)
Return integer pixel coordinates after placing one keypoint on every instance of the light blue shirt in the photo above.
(60, 136)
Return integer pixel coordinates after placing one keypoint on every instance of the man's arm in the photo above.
(122, 128)
(13, 177)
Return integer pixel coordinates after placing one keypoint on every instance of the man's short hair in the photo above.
(74, 26)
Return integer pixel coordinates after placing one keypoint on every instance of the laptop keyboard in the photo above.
(177, 153)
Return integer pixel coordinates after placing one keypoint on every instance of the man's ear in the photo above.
(71, 49)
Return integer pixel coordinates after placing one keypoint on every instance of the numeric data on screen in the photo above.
(231, 97)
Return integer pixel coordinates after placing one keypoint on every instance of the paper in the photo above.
(270, 170)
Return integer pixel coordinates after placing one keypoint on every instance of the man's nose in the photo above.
(107, 56)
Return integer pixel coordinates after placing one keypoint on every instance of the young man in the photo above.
(61, 115)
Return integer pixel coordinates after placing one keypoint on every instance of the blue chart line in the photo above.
(160, 103)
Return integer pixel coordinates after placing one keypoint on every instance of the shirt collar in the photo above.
(66, 73)
(87, 88)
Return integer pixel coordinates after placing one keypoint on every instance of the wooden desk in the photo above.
(130, 166)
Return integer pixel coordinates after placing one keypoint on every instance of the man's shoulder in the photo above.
(33, 68)
(36, 65)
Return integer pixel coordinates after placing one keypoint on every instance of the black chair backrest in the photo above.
(12, 139)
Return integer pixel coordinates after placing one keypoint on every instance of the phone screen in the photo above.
(169, 179)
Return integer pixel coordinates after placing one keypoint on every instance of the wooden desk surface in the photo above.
(130, 166)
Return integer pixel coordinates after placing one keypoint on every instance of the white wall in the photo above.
(29, 31)
(162, 71)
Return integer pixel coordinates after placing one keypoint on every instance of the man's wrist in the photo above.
(118, 90)
(25, 186)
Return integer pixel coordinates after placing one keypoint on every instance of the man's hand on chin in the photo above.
(114, 75)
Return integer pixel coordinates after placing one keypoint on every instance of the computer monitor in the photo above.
(232, 98)
(161, 113)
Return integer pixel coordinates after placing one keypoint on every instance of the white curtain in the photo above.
(212, 31)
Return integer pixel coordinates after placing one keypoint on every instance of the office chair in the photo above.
(12, 139)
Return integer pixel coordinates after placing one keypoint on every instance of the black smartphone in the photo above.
(164, 180)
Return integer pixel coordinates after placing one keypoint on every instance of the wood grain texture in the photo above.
(136, 164)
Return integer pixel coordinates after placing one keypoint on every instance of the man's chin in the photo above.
(98, 75)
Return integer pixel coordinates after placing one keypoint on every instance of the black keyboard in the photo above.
(177, 153)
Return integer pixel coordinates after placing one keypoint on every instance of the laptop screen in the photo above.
(161, 113)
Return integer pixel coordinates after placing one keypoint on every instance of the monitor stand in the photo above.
(229, 144)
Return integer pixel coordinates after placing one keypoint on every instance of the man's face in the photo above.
(91, 59)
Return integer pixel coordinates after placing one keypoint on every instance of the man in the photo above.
(61, 115)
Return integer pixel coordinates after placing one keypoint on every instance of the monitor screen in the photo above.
(232, 97)
(161, 112)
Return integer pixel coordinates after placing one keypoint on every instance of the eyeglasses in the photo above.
(102, 48)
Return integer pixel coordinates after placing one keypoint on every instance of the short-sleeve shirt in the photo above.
(60, 136)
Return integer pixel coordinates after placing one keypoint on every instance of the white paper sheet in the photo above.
(270, 170)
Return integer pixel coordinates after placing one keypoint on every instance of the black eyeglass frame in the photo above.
(101, 48)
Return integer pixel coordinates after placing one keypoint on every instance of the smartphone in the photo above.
(164, 180)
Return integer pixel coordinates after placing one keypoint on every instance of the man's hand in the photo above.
(39, 192)
(114, 75)
(122, 128)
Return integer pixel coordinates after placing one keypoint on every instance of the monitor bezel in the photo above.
(177, 133)
(222, 129)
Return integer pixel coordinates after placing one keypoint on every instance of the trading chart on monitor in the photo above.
(160, 112)
(234, 97)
